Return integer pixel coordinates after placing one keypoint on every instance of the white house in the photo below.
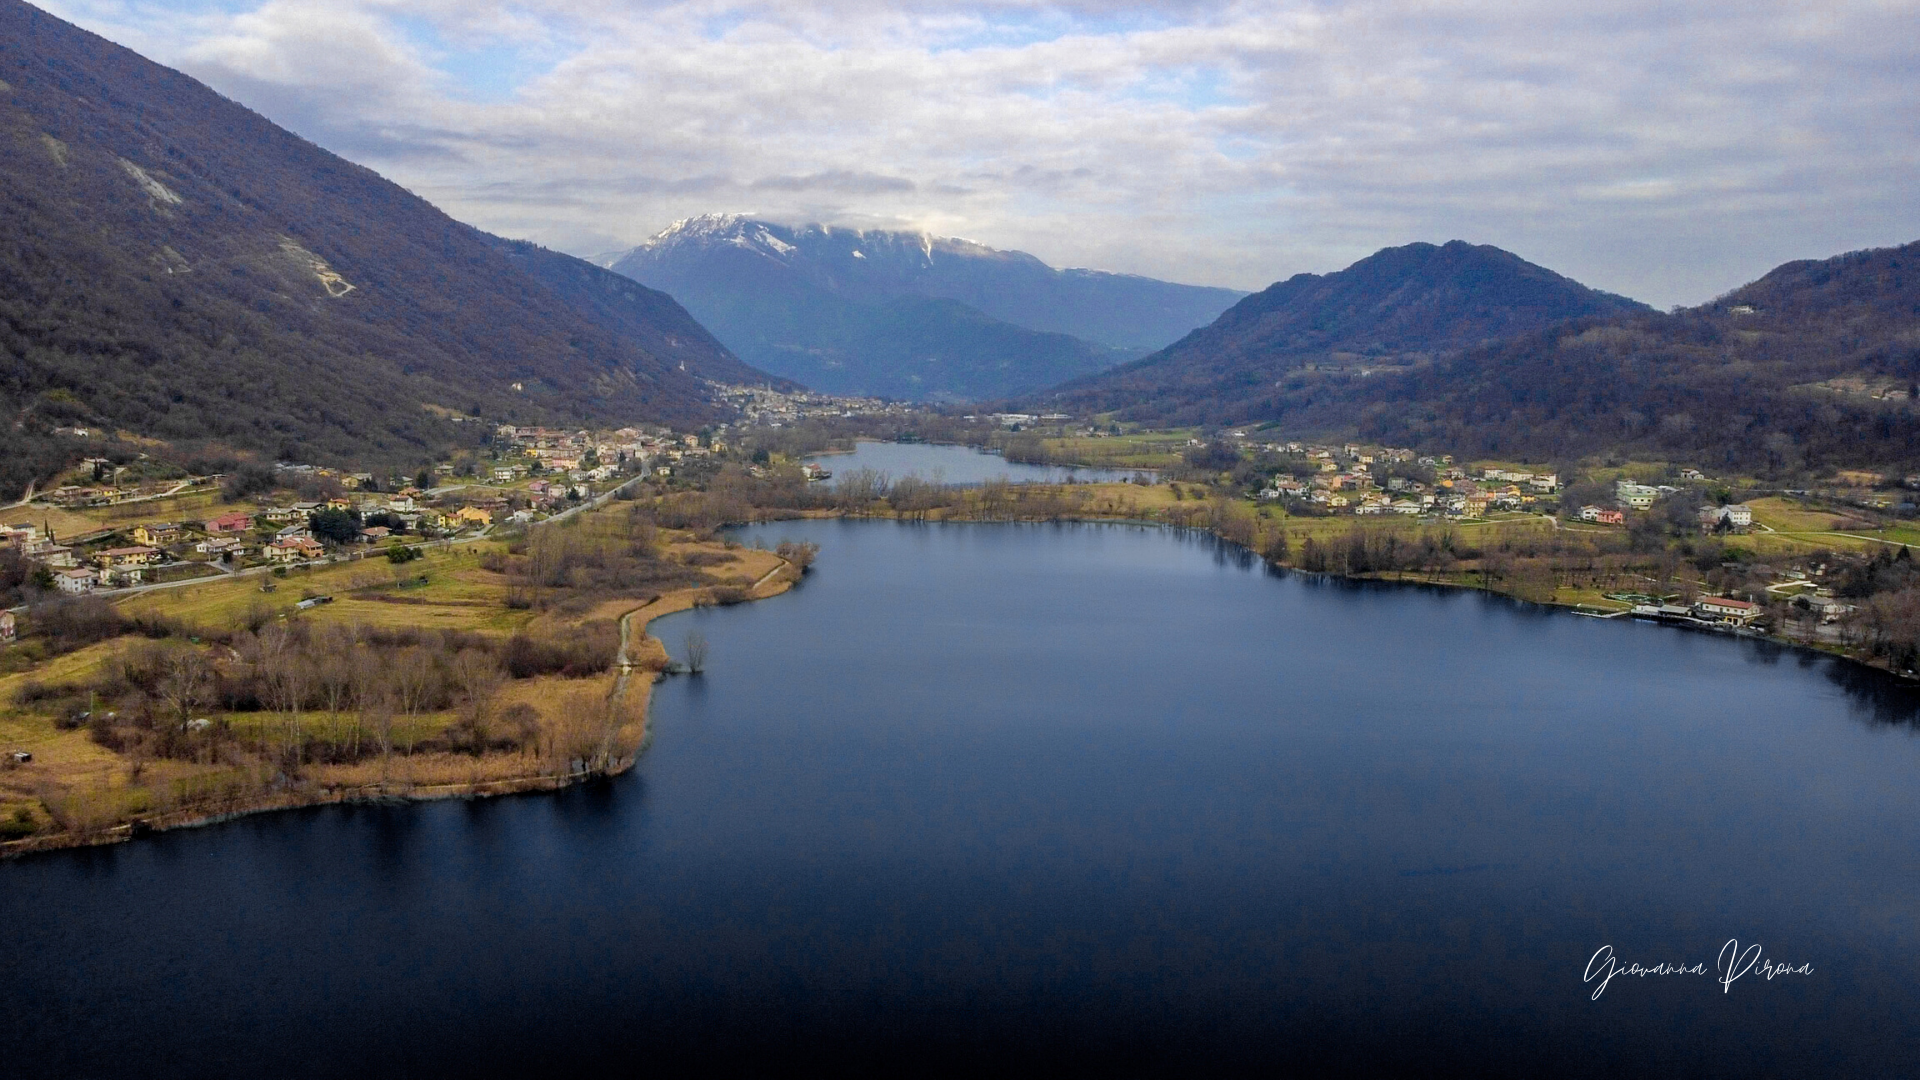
(1735, 515)
(1638, 496)
(1720, 607)
(76, 582)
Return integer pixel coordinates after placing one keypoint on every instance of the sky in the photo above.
(1666, 151)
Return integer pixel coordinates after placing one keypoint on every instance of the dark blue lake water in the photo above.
(961, 465)
(1085, 796)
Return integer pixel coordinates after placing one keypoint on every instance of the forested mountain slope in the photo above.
(173, 264)
(1814, 366)
(1401, 306)
(638, 315)
(1811, 367)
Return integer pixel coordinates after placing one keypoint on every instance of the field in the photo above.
(1787, 526)
(1148, 450)
(455, 593)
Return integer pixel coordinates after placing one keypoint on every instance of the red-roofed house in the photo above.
(228, 524)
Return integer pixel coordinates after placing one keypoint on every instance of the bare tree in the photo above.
(476, 678)
(696, 646)
(414, 681)
(333, 671)
(186, 683)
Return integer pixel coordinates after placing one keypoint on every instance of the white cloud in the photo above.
(1653, 149)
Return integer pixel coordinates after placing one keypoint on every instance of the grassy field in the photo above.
(1155, 450)
(456, 593)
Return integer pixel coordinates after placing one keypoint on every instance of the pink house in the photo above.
(228, 524)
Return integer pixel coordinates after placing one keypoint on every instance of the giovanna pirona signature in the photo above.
(1734, 964)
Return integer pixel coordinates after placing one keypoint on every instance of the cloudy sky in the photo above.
(1668, 151)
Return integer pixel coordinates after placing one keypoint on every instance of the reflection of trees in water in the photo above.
(1873, 696)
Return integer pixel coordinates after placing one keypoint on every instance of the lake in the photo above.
(1084, 796)
(961, 465)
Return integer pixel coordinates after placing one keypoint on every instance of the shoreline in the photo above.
(773, 583)
(1576, 608)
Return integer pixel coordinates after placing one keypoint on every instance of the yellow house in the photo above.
(473, 515)
(124, 557)
(156, 534)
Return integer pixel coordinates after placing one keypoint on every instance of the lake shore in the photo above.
(641, 654)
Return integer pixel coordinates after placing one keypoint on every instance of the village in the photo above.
(532, 474)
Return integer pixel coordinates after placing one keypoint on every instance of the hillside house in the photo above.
(1637, 496)
(158, 534)
(295, 549)
(231, 524)
(8, 629)
(1601, 515)
(54, 556)
(472, 515)
(76, 582)
(122, 558)
(218, 546)
(1734, 516)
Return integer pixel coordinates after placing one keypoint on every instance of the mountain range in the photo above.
(175, 266)
(907, 315)
(1471, 350)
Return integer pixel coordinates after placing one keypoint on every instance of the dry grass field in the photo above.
(81, 783)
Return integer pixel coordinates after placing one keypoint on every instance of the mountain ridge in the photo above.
(905, 314)
(1401, 305)
(1813, 366)
(175, 265)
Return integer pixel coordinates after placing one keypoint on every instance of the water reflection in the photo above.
(1875, 697)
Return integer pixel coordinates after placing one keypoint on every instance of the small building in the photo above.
(472, 515)
(1637, 496)
(55, 556)
(1601, 515)
(295, 549)
(122, 558)
(218, 546)
(228, 524)
(8, 628)
(1828, 609)
(1733, 516)
(76, 582)
(158, 534)
(1720, 607)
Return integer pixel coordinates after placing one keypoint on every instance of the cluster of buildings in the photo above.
(1733, 517)
(78, 569)
(765, 407)
(274, 535)
(573, 461)
(1349, 479)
